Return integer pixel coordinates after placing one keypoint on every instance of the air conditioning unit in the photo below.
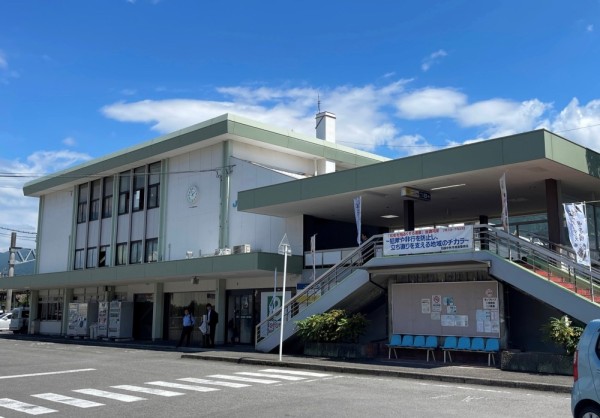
(241, 249)
(223, 251)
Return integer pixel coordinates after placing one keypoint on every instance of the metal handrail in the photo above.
(487, 237)
(552, 263)
(322, 285)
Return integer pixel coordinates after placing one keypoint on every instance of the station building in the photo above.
(198, 216)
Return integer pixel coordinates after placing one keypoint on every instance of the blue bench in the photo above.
(491, 346)
(420, 342)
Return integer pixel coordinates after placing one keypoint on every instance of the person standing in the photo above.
(212, 318)
(188, 326)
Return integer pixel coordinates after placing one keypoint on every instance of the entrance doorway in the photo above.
(142, 316)
(241, 316)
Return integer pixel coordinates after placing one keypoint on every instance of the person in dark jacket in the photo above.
(212, 319)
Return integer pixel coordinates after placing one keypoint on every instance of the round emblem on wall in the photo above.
(192, 194)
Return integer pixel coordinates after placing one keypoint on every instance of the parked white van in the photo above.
(19, 322)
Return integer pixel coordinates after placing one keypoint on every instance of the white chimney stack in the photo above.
(325, 127)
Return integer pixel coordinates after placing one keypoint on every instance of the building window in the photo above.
(124, 186)
(121, 258)
(79, 259)
(139, 181)
(135, 255)
(82, 205)
(151, 250)
(95, 201)
(104, 260)
(50, 308)
(107, 197)
(153, 185)
(92, 256)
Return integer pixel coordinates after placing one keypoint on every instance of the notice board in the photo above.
(457, 308)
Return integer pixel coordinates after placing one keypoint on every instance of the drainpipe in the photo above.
(224, 175)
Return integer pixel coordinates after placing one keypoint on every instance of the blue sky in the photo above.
(80, 79)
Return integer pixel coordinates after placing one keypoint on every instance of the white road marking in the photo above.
(79, 403)
(214, 382)
(294, 372)
(110, 395)
(25, 407)
(46, 373)
(272, 376)
(243, 379)
(465, 388)
(151, 391)
(182, 386)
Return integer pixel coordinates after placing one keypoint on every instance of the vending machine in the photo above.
(120, 320)
(81, 316)
(103, 319)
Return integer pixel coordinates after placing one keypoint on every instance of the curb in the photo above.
(547, 387)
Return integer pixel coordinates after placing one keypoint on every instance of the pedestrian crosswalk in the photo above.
(134, 393)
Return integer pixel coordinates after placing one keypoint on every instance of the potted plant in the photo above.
(332, 334)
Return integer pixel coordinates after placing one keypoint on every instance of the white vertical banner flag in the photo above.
(504, 203)
(357, 215)
(578, 231)
(313, 250)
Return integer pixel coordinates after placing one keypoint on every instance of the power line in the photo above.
(16, 230)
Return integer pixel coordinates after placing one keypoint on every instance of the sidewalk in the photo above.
(432, 371)
(435, 371)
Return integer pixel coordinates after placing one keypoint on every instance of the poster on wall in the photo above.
(270, 302)
(436, 303)
(425, 306)
(432, 240)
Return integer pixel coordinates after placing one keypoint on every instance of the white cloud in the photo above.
(433, 58)
(590, 28)
(365, 114)
(69, 141)
(431, 103)
(17, 211)
(579, 123)
(361, 120)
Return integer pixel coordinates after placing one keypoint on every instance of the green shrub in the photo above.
(333, 326)
(562, 332)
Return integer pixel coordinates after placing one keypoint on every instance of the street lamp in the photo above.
(285, 250)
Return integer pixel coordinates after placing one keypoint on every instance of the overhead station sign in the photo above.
(413, 193)
(434, 240)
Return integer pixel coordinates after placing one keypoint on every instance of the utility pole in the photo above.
(11, 268)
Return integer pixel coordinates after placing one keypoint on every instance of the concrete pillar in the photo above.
(34, 315)
(554, 210)
(158, 312)
(220, 304)
(325, 130)
(67, 298)
(409, 215)
(484, 243)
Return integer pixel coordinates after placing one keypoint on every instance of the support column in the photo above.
(34, 296)
(224, 175)
(158, 311)
(67, 298)
(483, 238)
(409, 215)
(554, 210)
(220, 304)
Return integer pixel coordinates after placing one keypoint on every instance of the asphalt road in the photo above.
(38, 378)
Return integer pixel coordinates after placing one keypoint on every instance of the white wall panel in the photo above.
(55, 232)
(152, 222)
(106, 231)
(137, 226)
(193, 227)
(80, 234)
(272, 158)
(123, 228)
(93, 231)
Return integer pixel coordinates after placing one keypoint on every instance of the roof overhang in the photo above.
(208, 133)
(243, 266)
(463, 181)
